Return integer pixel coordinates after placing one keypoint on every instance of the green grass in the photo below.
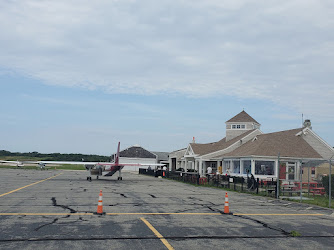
(71, 167)
(36, 167)
(318, 200)
(20, 158)
(295, 234)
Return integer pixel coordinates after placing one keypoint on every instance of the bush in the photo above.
(325, 183)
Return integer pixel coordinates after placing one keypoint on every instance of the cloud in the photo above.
(264, 50)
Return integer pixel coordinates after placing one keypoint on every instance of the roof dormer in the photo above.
(240, 124)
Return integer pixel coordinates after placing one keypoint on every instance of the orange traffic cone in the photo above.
(226, 207)
(99, 205)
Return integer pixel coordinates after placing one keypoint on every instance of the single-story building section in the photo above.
(137, 154)
(314, 171)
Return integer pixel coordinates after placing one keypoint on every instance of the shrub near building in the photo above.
(325, 183)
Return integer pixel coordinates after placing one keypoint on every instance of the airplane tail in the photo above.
(117, 154)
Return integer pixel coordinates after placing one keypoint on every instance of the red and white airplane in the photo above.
(94, 168)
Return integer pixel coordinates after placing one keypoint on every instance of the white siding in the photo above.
(136, 160)
(319, 145)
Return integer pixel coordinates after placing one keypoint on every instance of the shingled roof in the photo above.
(136, 152)
(203, 149)
(242, 117)
(284, 142)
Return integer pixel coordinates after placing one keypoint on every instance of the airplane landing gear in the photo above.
(120, 174)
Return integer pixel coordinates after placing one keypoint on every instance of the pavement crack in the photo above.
(47, 224)
(278, 229)
(213, 210)
(54, 203)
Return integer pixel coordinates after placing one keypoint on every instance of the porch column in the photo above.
(253, 167)
(241, 167)
(297, 172)
(200, 167)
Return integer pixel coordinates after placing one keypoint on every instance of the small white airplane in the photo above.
(94, 168)
(17, 163)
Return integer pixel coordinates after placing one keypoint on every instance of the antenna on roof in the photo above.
(302, 119)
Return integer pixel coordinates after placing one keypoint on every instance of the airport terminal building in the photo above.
(246, 149)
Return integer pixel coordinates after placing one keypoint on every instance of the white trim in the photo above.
(318, 138)
(222, 150)
(189, 152)
(236, 126)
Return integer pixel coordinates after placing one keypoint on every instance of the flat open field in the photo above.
(53, 209)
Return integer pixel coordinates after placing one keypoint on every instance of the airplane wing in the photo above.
(65, 162)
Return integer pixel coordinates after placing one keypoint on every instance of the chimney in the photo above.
(307, 124)
(194, 139)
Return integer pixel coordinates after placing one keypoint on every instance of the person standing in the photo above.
(164, 170)
(209, 170)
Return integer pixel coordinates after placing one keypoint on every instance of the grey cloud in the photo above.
(273, 50)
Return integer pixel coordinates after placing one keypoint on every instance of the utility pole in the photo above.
(330, 182)
(301, 179)
(278, 175)
(308, 181)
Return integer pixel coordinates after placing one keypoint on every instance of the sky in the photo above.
(79, 76)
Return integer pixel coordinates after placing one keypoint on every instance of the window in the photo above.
(247, 167)
(227, 167)
(238, 126)
(313, 170)
(264, 167)
(291, 170)
(236, 167)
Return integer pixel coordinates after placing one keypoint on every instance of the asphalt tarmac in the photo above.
(54, 209)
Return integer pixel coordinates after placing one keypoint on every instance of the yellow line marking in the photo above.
(282, 214)
(164, 241)
(42, 214)
(29, 185)
(163, 213)
(13, 214)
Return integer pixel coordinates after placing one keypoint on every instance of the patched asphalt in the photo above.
(54, 209)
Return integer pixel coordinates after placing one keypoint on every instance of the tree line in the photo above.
(55, 156)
